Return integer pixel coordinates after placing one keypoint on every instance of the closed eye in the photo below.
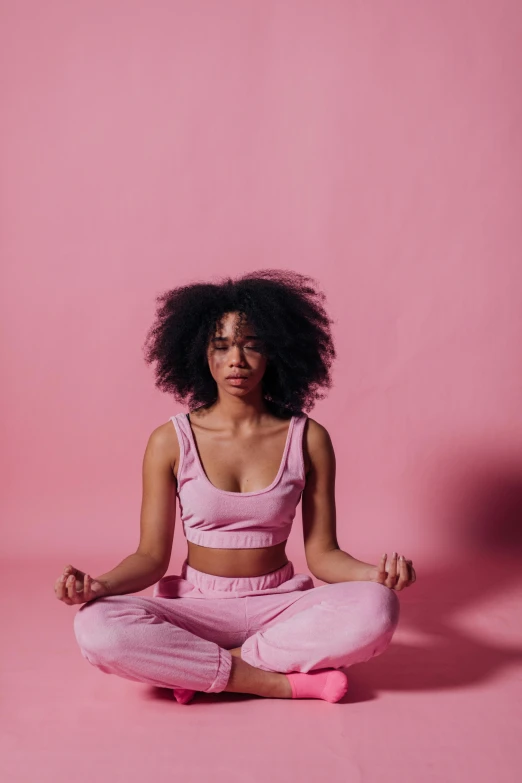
(250, 348)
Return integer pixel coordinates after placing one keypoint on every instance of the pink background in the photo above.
(375, 146)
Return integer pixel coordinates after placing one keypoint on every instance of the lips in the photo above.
(236, 377)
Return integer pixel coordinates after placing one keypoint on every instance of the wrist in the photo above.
(105, 585)
(365, 570)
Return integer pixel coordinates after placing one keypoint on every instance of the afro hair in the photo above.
(288, 314)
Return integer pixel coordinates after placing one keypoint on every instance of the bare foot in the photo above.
(248, 679)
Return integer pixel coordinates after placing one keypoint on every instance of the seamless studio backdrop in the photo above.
(374, 146)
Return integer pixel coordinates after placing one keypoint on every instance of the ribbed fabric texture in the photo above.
(238, 520)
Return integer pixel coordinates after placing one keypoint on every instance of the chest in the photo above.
(240, 464)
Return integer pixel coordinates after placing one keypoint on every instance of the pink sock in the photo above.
(327, 684)
(183, 695)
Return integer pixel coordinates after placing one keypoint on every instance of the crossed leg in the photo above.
(317, 630)
(326, 628)
(186, 643)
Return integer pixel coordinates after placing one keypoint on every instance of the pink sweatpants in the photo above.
(181, 636)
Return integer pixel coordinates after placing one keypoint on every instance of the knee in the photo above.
(382, 607)
(355, 621)
(371, 628)
(97, 633)
(378, 607)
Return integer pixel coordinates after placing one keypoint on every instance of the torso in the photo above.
(239, 464)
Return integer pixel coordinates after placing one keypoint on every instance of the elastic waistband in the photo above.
(239, 584)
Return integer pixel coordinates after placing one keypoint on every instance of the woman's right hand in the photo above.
(76, 587)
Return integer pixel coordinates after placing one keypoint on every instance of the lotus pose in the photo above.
(247, 357)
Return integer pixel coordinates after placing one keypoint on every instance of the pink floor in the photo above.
(444, 703)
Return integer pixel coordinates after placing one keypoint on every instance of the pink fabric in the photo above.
(282, 622)
(238, 520)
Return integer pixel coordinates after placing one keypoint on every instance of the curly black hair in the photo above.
(288, 314)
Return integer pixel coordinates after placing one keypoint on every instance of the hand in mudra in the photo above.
(396, 575)
(76, 587)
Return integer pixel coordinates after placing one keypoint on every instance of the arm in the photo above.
(136, 572)
(324, 558)
(158, 512)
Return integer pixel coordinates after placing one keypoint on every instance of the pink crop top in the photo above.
(238, 520)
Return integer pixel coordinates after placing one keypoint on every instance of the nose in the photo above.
(237, 356)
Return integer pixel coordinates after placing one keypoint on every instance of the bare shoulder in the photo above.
(317, 443)
(163, 444)
(316, 434)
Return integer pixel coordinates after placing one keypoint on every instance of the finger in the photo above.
(61, 590)
(79, 592)
(58, 586)
(71, 587)
(398, 580)
(77, 595)
(392, 573)
(381, 569)
(413, 575)
(404, 578)
(61, 593)
(60, 579)
(88, 594)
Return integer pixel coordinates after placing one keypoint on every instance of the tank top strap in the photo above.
(188, 459)
(295, 458)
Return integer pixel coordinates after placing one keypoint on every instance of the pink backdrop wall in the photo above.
(375, 146)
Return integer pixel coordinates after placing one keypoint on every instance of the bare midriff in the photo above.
(236, 562)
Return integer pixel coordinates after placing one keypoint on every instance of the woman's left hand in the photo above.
(396, 575)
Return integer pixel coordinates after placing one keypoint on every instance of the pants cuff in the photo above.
(223, 671)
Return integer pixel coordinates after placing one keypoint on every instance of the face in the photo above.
(235, 350)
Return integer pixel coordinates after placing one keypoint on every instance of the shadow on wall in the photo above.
(464, 615)
(491, 512)
(477, 494)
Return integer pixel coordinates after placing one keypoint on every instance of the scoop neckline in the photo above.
(227, 491)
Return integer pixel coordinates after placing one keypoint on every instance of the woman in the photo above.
(249, 355)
